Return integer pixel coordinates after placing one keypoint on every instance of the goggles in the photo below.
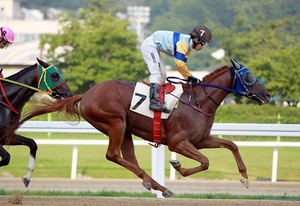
(203, 43)
(5, 43)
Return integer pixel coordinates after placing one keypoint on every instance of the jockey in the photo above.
(6, 37)
(175, 45)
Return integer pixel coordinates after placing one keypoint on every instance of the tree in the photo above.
(270, 49)
(93, 46)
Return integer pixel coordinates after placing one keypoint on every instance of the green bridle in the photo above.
(46, 81)
(49, 78)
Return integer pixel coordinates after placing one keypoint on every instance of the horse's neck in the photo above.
(22, 98)
(19, 95)
(209, 97)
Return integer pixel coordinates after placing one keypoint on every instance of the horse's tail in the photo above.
(68, 106)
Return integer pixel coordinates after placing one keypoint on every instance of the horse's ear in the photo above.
(42, 63)
(235, 64)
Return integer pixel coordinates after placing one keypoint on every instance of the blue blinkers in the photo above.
(244, 79)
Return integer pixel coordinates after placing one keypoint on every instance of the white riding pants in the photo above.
(154, 61)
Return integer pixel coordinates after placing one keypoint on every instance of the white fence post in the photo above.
(74, 162)
(275, 164)
(172, 170)
(158, 167)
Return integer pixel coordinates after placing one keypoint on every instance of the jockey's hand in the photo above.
(193, 79)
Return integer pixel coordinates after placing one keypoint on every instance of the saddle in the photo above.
(140, 104)
(169, 88)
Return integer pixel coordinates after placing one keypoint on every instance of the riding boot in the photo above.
(154, 99)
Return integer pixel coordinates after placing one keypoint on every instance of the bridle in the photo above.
(240, 87)
(43, 85)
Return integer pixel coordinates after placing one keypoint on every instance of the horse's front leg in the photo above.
(213, 142)
(5, 157)
(188, 150)
(20, 140)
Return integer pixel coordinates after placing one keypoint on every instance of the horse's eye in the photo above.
(249, 78)
(54, 77)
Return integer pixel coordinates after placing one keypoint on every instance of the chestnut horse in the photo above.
(15, 91)
(106, 106)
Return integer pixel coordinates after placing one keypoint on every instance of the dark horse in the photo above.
(107, 107)
(15, 91)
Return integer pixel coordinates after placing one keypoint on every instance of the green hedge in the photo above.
(238, 113)
(252, 113)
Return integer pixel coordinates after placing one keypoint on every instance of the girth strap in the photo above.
(157, 120)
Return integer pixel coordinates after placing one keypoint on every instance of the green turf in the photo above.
(105, 193)
(92, 163)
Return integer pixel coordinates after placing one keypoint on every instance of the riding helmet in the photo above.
(7, 34)
(201, 32)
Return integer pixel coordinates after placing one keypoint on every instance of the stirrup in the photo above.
(156, 144)
(166, 110)
(159, 107)
(163, 109)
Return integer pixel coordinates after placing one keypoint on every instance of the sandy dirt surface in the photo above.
(177, 187)
(128, 201)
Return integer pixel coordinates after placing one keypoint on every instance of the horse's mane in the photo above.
(208, 78)
(21, 73)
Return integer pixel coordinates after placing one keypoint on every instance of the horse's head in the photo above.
(246, 84)
(51, 81)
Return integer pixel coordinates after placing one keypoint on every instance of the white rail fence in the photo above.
(158, 167)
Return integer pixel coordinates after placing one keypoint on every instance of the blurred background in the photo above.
(91, 41)
(101, 38)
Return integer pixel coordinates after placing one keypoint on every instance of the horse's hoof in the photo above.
(147, 185)
(25, 181)
(245, 182)
(167, 193)
(175, 163)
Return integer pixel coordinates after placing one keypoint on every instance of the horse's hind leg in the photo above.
(118, 142)
(20, 140)
(127, 149)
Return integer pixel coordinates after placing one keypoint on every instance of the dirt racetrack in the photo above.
(178, 187)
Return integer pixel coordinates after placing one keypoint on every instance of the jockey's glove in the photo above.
(193, 79)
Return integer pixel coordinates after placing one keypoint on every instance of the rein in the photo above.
(197, 108)
(204, 85)
(23, 85)
(208, 85)
(6, 99)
